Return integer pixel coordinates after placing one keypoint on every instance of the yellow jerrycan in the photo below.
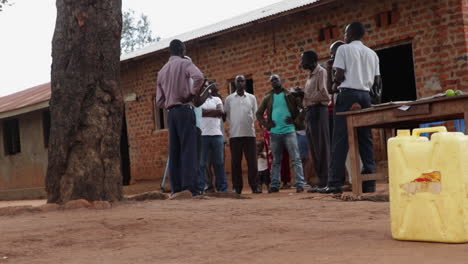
(428, 185)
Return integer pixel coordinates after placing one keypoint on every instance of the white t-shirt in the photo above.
(360, 64)
(240, 112)
(262, 163)
(211, 126)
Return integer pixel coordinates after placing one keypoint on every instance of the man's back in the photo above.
(173, 84)
(360, 63)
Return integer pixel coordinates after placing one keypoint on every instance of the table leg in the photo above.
(389, 132)
(466, 120)
(354, 157)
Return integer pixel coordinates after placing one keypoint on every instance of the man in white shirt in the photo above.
(240, 110)
(357, 74)
(212, 143)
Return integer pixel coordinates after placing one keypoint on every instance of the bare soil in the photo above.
(269, 228)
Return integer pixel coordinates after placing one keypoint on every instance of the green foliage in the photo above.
(3, 3)
(136, 32)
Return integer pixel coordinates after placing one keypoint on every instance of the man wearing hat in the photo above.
(282, 120)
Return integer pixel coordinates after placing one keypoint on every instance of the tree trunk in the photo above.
(86, 105)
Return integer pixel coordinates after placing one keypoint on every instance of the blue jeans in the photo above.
(213, 145)
(183, 160)
(278, 142)
(346, 98)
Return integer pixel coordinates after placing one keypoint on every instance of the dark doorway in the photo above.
(249, 86)
(397, 70)
(124, 154)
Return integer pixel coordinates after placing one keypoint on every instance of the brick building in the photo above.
(422, 45)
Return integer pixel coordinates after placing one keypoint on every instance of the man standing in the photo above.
(240, 110)
(331, 86)
(282, 114)
(356, 75)
(213, 141)
(316, 100)
(178, 82)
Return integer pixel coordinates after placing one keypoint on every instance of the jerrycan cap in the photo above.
(403, 133)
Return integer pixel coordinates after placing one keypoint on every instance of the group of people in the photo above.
(292, 120)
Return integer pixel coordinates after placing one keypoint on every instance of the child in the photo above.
(262, 164)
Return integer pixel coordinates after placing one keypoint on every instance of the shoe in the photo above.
(314, 189)
(258, 189)
(273, 190)
(306, 185)
(238, 190)
(331, 189)
(299, 189)
(347, 188)
(285, 186)
(211, 190)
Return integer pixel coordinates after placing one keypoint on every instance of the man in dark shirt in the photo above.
(316, 101)
(283, 116)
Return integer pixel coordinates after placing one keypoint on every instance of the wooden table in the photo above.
(389, 117)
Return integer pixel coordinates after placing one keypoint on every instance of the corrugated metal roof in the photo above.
(41, 93)
(31, 96)
(245, 18)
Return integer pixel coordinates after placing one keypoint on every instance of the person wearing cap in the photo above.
(316, 101)
(283, 114)
(212, 143)
(331, 86)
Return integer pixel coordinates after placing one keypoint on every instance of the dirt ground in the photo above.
(269, 228)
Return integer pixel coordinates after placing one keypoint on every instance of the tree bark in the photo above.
(86, 105)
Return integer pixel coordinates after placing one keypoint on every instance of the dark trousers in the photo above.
(346, 98)
(264, 177)
(319, 140)
(330, 125)
(183, 154)
(247, 146)
(209, 174)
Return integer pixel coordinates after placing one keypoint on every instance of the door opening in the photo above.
(124, 153)
(397, 71)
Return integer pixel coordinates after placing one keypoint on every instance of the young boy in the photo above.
(262, 164)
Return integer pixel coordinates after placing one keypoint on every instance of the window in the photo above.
(11, 136)
(46, 127)
(328, 33)
(249, 85)
(160, 117)
(386, 18)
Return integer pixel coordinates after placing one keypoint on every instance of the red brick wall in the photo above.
(436, 28)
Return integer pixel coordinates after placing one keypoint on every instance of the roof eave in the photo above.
(24, 110)
(235, 28)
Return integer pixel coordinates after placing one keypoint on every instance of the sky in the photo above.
(27, 27)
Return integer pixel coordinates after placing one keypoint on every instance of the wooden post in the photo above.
(354, 156)
(465, 116)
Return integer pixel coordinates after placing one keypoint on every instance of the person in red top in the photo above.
(332, 90)
(179, 82)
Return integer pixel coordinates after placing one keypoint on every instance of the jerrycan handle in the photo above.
(418, 131)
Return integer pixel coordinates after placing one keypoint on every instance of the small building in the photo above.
(422, 46)
(24, 138)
